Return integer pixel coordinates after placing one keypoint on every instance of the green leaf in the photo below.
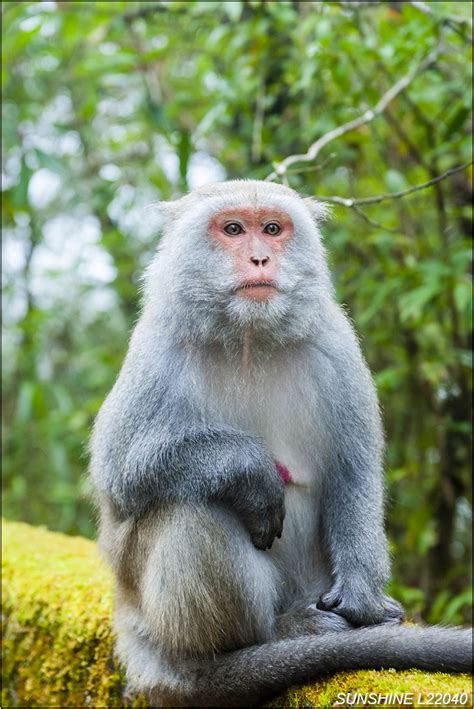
(463, 296)
(412, 305)
(19, 193)
(395, 181)
(24, 407)
(457, 121)
(51, 162)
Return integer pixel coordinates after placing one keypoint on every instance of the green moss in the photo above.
(57, 605)
(414, 686)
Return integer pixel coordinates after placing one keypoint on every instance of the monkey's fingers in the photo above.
(331, 600)
(263, 538)
(393, 610)
(281, 519)
(266, 526)
(277, 522)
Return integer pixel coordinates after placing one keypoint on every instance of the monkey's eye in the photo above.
(233, 229)
(273, 229)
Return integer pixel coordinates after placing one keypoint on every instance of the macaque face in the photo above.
(255, 238)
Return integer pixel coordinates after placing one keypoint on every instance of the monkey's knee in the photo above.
(206, 589)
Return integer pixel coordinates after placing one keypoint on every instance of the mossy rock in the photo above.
(57, 604)
(58, 642)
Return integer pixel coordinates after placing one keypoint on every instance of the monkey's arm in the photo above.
(149, 448)
(352, 505)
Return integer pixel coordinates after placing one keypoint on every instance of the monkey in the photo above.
(238, 463)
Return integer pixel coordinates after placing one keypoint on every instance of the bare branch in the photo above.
(345, 202)
(368, 116)
(313, 168)
(372, 222)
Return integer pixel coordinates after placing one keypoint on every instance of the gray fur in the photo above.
(214, 388)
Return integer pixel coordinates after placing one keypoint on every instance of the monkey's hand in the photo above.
(259, 499)
(360, 604)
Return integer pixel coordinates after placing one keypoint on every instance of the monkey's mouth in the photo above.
(260, 290)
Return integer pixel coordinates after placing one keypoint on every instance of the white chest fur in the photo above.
(276, 401)
(279, 401)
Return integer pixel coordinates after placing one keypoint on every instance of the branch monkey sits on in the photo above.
(238, 460)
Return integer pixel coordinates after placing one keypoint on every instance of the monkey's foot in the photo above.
(361, 608)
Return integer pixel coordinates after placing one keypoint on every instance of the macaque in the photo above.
(238, 464)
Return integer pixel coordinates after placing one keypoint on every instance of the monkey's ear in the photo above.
(163, 212)
(319, 210)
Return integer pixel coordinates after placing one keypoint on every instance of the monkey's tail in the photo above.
(248, 676)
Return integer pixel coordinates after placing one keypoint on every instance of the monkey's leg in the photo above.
(205, 589)
(309, 620)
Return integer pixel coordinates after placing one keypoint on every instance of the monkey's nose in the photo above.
(260, 261)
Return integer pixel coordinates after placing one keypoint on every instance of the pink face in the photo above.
(255, 238)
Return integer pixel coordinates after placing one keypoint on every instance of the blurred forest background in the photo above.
(111, 106)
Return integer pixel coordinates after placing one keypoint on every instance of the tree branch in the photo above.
(372, 222)
(313, 168)
(345, 202)
(368, 116)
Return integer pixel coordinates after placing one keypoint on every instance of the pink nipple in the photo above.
(283, 472)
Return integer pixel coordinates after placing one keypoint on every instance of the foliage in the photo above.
(109, 107)
(57, 603)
